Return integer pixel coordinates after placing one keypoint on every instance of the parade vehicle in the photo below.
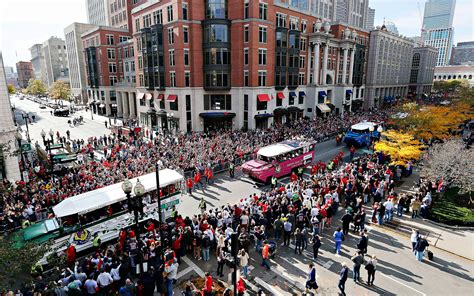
(279, 159)
(102, 212)
(362, 133)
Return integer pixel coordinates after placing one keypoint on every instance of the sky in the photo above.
(26, 22)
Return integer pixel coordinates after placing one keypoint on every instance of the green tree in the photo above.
(16, 263)
(60, 91)
(11, 88)
(36, 87)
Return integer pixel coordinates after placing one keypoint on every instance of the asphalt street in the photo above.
(398, 272)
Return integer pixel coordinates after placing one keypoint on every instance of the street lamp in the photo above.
(19, 138)
(158, 195)
(152, 115)
(51, 134)
(43, 135)
(26, 117)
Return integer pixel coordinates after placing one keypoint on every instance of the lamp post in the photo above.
(43, 135)
(152, 115)
(160, 220)
(19, 138)
(51, 134)
(135, 204)
(26, 117)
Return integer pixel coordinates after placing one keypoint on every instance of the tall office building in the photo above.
(9, 167)
(55, 56)
(369, 21)
(75, 58)
(38, 62)
(352, 12)
(391, 27)
(437, 28)
(438, 14)
(97, 12)
(12, 77)
(463, 53)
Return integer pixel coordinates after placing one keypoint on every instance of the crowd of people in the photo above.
(296, 215)
(109, 159)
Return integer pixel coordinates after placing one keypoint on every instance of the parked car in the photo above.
(42, 106)
(61, 112)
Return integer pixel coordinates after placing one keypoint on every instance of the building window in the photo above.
(174, 105)
(416, 60)
(262, 56)
(301, 80)
(186, 57)
(262, 78)
(140, 80)
(301, 96)
(262, 11)
(261, 105)
(172, 79)
(303, 26)
(281, 20)
(186, 34)
(262, 34)
(137, 25)
(217, 102)
(303, 44)
(302, 61)
(246, 56)
(170, 35)
(246, 78)
(147, 21)
(291, 100)
(187, 79)
(158, 17)
(171, 57)
(217, 79)
(111, 53)
(246, 9)
(113, 68)
(185, 11)
(110, 39)
(246, 33)
(170, 13)
(140, 63)
(293, 23)
(132, 66)
(112, 80)
(216, 33)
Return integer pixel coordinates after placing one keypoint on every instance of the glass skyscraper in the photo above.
(437, 30)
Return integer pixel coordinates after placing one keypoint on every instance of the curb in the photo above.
(449, 227)
(442, 249)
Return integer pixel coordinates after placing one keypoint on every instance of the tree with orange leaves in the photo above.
(402, 147)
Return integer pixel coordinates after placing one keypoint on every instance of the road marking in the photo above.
(184, 271)
(196, 268)
(402, 284)
(309, 255)
(295, 281)
(268, 287)
(252, 286)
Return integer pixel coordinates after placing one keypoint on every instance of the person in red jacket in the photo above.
(314, 169)
(197, 179)
(189, 184)
(209, 176)
(293, 177)
(207, 290)
(71, 255)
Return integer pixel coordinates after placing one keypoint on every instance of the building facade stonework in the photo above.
(25, 73)
(55, 57)
(38, 62)
(422, 70)
(388, 71)
(9, 166)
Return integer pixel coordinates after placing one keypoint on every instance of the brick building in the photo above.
(239, 64)
(25, 73)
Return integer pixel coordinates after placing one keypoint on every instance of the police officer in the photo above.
(274, 182)
(96, 242)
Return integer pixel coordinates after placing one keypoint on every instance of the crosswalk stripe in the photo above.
(269, 288)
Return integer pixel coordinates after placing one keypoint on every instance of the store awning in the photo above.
(280, 111)
(323, 108)
(322, 93)
(217, 115)
(294, 109)
(349, 91)
(140, 95)
(101, 106)
(148, 96)
(172, 98)
(263, 98)
(331, 106)
(302, 94)
(264, 115)
(280, 95)
(161, 97)
(292, 94)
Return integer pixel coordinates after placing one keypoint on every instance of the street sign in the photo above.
(170, 202)
(55, 146)
(26, 147)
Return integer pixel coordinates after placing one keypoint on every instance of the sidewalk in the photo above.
(446, 238)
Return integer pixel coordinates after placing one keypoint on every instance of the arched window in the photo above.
(449, 77)
(416, 60)
(470, 76)
(444, 77)
(464, 77)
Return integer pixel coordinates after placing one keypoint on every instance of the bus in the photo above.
(78, 218)
(361, 134)
(279, 159)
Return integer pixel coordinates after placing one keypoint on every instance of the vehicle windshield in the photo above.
(358, 131)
